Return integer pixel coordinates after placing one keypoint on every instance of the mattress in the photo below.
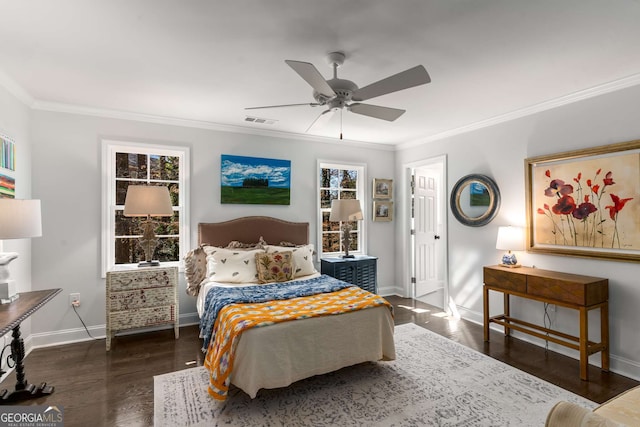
(280, 354)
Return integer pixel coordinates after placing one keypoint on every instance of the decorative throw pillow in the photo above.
(274, 267)
(233, 265)
(195, 270)
(234, 244)
(302, 258)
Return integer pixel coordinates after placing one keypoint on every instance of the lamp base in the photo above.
(7, 289)
(148, 263)
(510, 265)
(348, 256)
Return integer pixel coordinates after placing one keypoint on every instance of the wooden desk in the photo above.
(582, 293)
(11, 316)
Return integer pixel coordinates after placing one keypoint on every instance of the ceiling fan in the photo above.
(338, 94)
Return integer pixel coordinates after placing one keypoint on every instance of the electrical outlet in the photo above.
(74, 299)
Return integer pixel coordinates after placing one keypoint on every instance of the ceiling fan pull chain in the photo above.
(340, 125)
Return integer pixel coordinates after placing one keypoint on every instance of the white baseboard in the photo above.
(619, 365)
(68, 336)
(390, 290)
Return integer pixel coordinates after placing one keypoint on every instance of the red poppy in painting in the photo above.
(618, 204)
(584, 210)
(557, 187)
(608, 180)
(593, 229)
(577, 179)
(565, 206)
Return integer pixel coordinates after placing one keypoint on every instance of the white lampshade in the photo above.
(20, 219)
(345, 210)
(510, 238)
(143, 200)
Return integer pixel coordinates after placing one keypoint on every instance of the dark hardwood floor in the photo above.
(115, 388)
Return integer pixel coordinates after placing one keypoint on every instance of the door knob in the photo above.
(436, 237)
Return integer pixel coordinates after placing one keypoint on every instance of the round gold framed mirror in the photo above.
(475, 200)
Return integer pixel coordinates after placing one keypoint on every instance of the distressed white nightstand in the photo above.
(141, 297)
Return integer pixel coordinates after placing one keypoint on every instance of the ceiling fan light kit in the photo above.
(337, 94)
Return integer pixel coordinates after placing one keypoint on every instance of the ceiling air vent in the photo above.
(260, 120)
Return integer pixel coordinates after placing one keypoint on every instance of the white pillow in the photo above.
(302, 258)
(233, 265)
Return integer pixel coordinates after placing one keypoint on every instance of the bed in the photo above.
(277, 355)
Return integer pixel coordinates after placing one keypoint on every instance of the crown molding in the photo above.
(199, 124)
(623, 83)
(15, 89)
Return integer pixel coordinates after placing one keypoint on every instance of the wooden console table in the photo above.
(11, 316)
(582, 293)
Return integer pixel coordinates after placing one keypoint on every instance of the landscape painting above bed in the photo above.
(255, 180)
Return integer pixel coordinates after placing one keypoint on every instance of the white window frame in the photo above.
(109, 150)
(360, 195)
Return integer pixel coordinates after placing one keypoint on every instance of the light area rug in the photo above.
(433, 382)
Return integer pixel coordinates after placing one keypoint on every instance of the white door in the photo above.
(428, 245)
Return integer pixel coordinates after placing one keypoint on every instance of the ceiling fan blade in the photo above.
(312, 104)
(312, 76)
(384, 113)
(322, 119)
(415, 76)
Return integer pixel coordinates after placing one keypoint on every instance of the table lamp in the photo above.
(19, 219)
(510, 239)
(346, 210)
(148, 201)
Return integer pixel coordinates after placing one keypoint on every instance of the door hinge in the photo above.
(413, 280)
(413, 231)
(413, 184)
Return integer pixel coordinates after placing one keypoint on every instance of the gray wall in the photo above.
(67, 174)
(14, 123)
(60, 163)
(499, 151)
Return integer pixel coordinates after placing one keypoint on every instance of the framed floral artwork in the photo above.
(382, 188)
(585, 202)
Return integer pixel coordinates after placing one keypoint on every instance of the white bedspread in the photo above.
(278, 355)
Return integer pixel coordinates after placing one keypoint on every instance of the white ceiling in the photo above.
(200, 62)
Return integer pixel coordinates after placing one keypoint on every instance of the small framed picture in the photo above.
(382, 188)
(382, 210)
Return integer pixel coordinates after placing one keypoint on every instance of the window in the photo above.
(340, 181)
(142, 164)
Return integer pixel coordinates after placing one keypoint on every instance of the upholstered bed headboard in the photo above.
(249, 229)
